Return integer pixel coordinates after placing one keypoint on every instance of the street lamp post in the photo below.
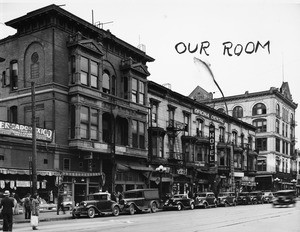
(161, 169)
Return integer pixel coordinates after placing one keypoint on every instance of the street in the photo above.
(258, 218)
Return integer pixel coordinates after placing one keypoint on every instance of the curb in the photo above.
(43, 220)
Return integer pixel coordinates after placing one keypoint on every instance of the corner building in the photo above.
(272, 112)
(202, 149)
(90, 91)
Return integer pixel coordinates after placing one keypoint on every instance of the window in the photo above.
(157, 146)
(2, 158)
(259, 109)
(84, 67)
(237, 112)
(94, 74)
(88, 123)
(73, 69)
(234, 137)
(138, 134)
(186, 120)
(250, 141)
(277, 144)
(285, 115)
(141, 93)
(45, 161)
(66, 164)
(138, 91)
(14, 75)
(277, 110)
(261, 144)
(34, 68)
(222, 135)
(3, 79)
(171, 111)
(13, 114)
(283, 129)
(105, 83)
(261, 165)
(199, 128)
(242, 140)
(260, 124)
(154, 110)
(277, 126)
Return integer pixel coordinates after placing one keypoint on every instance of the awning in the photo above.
(141, 168)
(14, 171)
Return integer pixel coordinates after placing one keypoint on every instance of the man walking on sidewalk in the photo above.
(7, 207)
(60, 204)
(27, 206)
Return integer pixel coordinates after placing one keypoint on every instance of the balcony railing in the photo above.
(176, 125)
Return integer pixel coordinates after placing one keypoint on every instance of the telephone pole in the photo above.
(34, 156)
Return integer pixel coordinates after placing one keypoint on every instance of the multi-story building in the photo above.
(201, 148)
(90, 105)
(272, 112)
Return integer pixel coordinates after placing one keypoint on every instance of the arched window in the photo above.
(260, 124)
(259, 109)
(237, 112)
(277, 110)
(105, 82)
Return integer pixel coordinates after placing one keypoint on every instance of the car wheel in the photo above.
(116, 211)
(179, 207)
(75, 216)
(226, 204)
(234, 203)
(216, 205)
(91, 212)
(205, 205)
(192, 206)
(153, 207)
(131, 209)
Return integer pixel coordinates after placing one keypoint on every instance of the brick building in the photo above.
(272, 112)
(90, 91)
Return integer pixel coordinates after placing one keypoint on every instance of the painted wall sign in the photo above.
(208, 115)
(182, 171)
(211, 145)
(17, 130)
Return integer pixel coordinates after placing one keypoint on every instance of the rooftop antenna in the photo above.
(92, 17)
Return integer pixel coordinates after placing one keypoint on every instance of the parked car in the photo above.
(96, 204)
(226, 199)
(268, 196)
(205, 200)
(139, 200)
(256, 197)
(243, 198)
(179, 202)
(284, 197)
(44, 206)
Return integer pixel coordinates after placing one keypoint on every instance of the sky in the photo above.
(264, 37)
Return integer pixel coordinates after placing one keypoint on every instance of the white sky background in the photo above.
(161, 24)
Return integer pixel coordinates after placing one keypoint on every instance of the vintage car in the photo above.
(226, 199)
(205, 200)
(268, 196)
(284, 197)
(256, 197)
(243, 198)
(139, 200)
(96, 204)
(179, 202)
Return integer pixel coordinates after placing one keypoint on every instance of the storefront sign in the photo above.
(211, 145)
(208, 115)
(182, 171)
(18, 130)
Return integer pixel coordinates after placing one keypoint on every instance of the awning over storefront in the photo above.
(14, 171)
(81, 174)
(142, 168)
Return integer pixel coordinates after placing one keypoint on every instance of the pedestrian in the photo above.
(35, 210)
(7, 207)
(27, 206)
(60, 205)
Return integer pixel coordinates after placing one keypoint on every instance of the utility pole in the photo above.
(34, 156)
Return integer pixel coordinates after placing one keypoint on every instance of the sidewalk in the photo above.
(44, 216)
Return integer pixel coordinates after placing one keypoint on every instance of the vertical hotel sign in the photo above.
(211, 145)
(17, 130)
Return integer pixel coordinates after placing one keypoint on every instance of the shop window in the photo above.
(259, 109)
(237, 112)
(66, 165)
(260, 124)
(261, 144)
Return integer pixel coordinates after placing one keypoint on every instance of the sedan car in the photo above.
(179, 202)
(284, 197)
(206, 199)
(243, 198)
(96, 204)
(226, 199)
(268, 196)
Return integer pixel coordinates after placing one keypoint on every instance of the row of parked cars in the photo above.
(140, 200)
